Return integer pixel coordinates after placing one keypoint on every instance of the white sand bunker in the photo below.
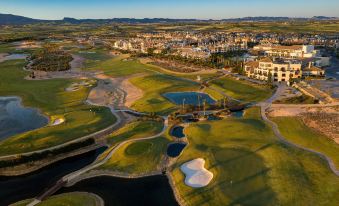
(196, 174)
(58, 121)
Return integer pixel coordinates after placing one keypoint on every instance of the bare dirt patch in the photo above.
(117, 92)
(326, 123)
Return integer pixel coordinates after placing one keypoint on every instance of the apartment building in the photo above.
(280, 70)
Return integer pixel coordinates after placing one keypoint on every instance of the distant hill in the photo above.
(10, 19)
(272, 19)
(258, 18)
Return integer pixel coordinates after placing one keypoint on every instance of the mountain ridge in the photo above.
(11, 19)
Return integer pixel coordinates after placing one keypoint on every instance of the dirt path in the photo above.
(2, 57)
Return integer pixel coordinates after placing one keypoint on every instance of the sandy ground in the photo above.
(77, 62)
(118, 92)
(27, 45)
(58, 121)
(297, 111)
(133, 93)
(2, 56)
(196, 174)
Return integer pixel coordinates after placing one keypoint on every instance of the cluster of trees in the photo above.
(49, 153)
(51, 58)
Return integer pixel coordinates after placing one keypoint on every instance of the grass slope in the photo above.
(154, 86)
(134, 130)
(49, 96)
(138, 157)
(118, 66)
(297, 132)
(74, 199)
(242, 90)
(251, 167)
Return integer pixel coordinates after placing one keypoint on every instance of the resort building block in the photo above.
(278, 70)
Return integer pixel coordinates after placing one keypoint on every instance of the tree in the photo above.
(269, 78)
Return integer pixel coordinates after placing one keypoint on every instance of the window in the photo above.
(283, 75)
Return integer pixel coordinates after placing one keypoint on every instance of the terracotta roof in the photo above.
(253, 64)
(266, 59)
(313, 68)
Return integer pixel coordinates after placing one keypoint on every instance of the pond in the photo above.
(189, 98)
(14, 189)
(12, 57)
(148, 191)
(175, 149)
(15, 119)
(238, 114)
(178, 132)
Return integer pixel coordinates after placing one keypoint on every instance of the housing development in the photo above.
(168, 111)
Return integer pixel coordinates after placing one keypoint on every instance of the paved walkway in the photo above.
(76, 174)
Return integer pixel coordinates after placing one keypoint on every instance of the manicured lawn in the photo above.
(117, 66)
(242, 90)
(154, 86)
(134, 130)
(71, 199)
(50, 96)
(138, 157)
(297, 132)
(152, 80)
(94, 57)
(251, 167)
(138, 148)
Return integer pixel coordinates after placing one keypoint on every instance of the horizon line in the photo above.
(292, 17)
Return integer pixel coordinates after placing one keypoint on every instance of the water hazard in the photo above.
(15, 119)
(147, 191)
(14, 189)
(189, 98)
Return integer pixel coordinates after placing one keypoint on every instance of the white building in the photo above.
(279, 70)
(291, 52)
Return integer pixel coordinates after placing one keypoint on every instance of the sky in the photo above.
(199, 9)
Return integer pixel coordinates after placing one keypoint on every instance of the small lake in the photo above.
(13, 57)
(146, 191)
(14, 189)
(15, 119)
(238, 114)
(189, 98)
(175, 149)
(178, 132)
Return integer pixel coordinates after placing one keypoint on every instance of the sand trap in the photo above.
(196, 174)
(58, 121)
